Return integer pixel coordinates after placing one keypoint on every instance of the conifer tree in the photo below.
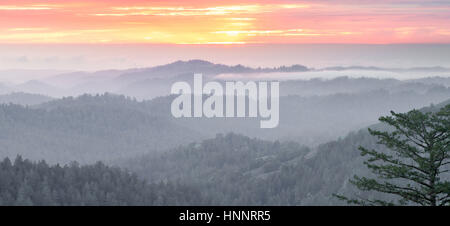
(414, 168)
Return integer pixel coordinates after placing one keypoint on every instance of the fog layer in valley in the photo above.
(123, 118)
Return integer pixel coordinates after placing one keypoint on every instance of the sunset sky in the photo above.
(224, 22)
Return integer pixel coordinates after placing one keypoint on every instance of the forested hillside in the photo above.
(229, 169)
(86, 129)
(236, 170)
(24, 183)
(108, 127)
(312, 120)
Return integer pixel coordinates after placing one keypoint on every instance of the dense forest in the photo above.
(236, 170)
(24, 183)
(227, 170)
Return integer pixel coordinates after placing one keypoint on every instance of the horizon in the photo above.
(114, 34)
(95, 57)
(224, 22)
(14, 77)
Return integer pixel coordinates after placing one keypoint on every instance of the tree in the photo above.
(414, 166)
(23, 195)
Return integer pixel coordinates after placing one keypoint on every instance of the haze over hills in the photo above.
(236, 170)
(24, 99)
(20, 75)
(303, 161)
(372, 68)
(147, 83)
(4, 89)
(109, 127)
(87, 129)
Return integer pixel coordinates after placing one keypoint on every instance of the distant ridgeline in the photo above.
(147, 83)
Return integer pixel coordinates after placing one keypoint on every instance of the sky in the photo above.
(224, 22)
(118, 34)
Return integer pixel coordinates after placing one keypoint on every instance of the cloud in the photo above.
(194, 11)
(22, 8)
(233, 21)
(29, 29)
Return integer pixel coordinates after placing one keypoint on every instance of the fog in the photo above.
(332, 74)
(150, 82)
(122, 118)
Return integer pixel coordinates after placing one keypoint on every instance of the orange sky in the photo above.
(225, 22)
